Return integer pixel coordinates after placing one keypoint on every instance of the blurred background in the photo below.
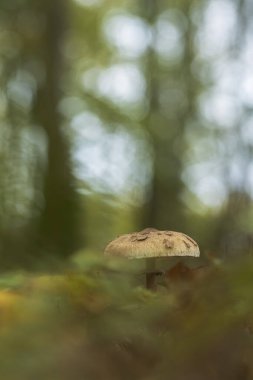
(121, 115)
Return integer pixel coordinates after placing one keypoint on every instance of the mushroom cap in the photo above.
(152, 243)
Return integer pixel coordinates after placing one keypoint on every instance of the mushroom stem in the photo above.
(150, 274)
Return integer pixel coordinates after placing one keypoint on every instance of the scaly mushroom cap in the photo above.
(152, 243)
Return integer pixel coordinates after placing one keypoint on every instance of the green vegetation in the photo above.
(94, 323)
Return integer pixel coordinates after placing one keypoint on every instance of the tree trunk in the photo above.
(59, 218)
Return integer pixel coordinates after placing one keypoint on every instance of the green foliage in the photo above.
(94, 323)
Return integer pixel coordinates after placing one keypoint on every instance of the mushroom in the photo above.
(151, 244)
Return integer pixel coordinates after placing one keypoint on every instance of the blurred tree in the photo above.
(40, 205)
(233, 233)
(58, 228)
(171, 90)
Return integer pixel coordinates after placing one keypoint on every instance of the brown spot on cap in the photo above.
(133, 237)
(191, 240)
(169, 244)
(141, 237)
(186, 244)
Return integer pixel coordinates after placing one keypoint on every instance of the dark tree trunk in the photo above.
(164, 208)
(59, 218)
